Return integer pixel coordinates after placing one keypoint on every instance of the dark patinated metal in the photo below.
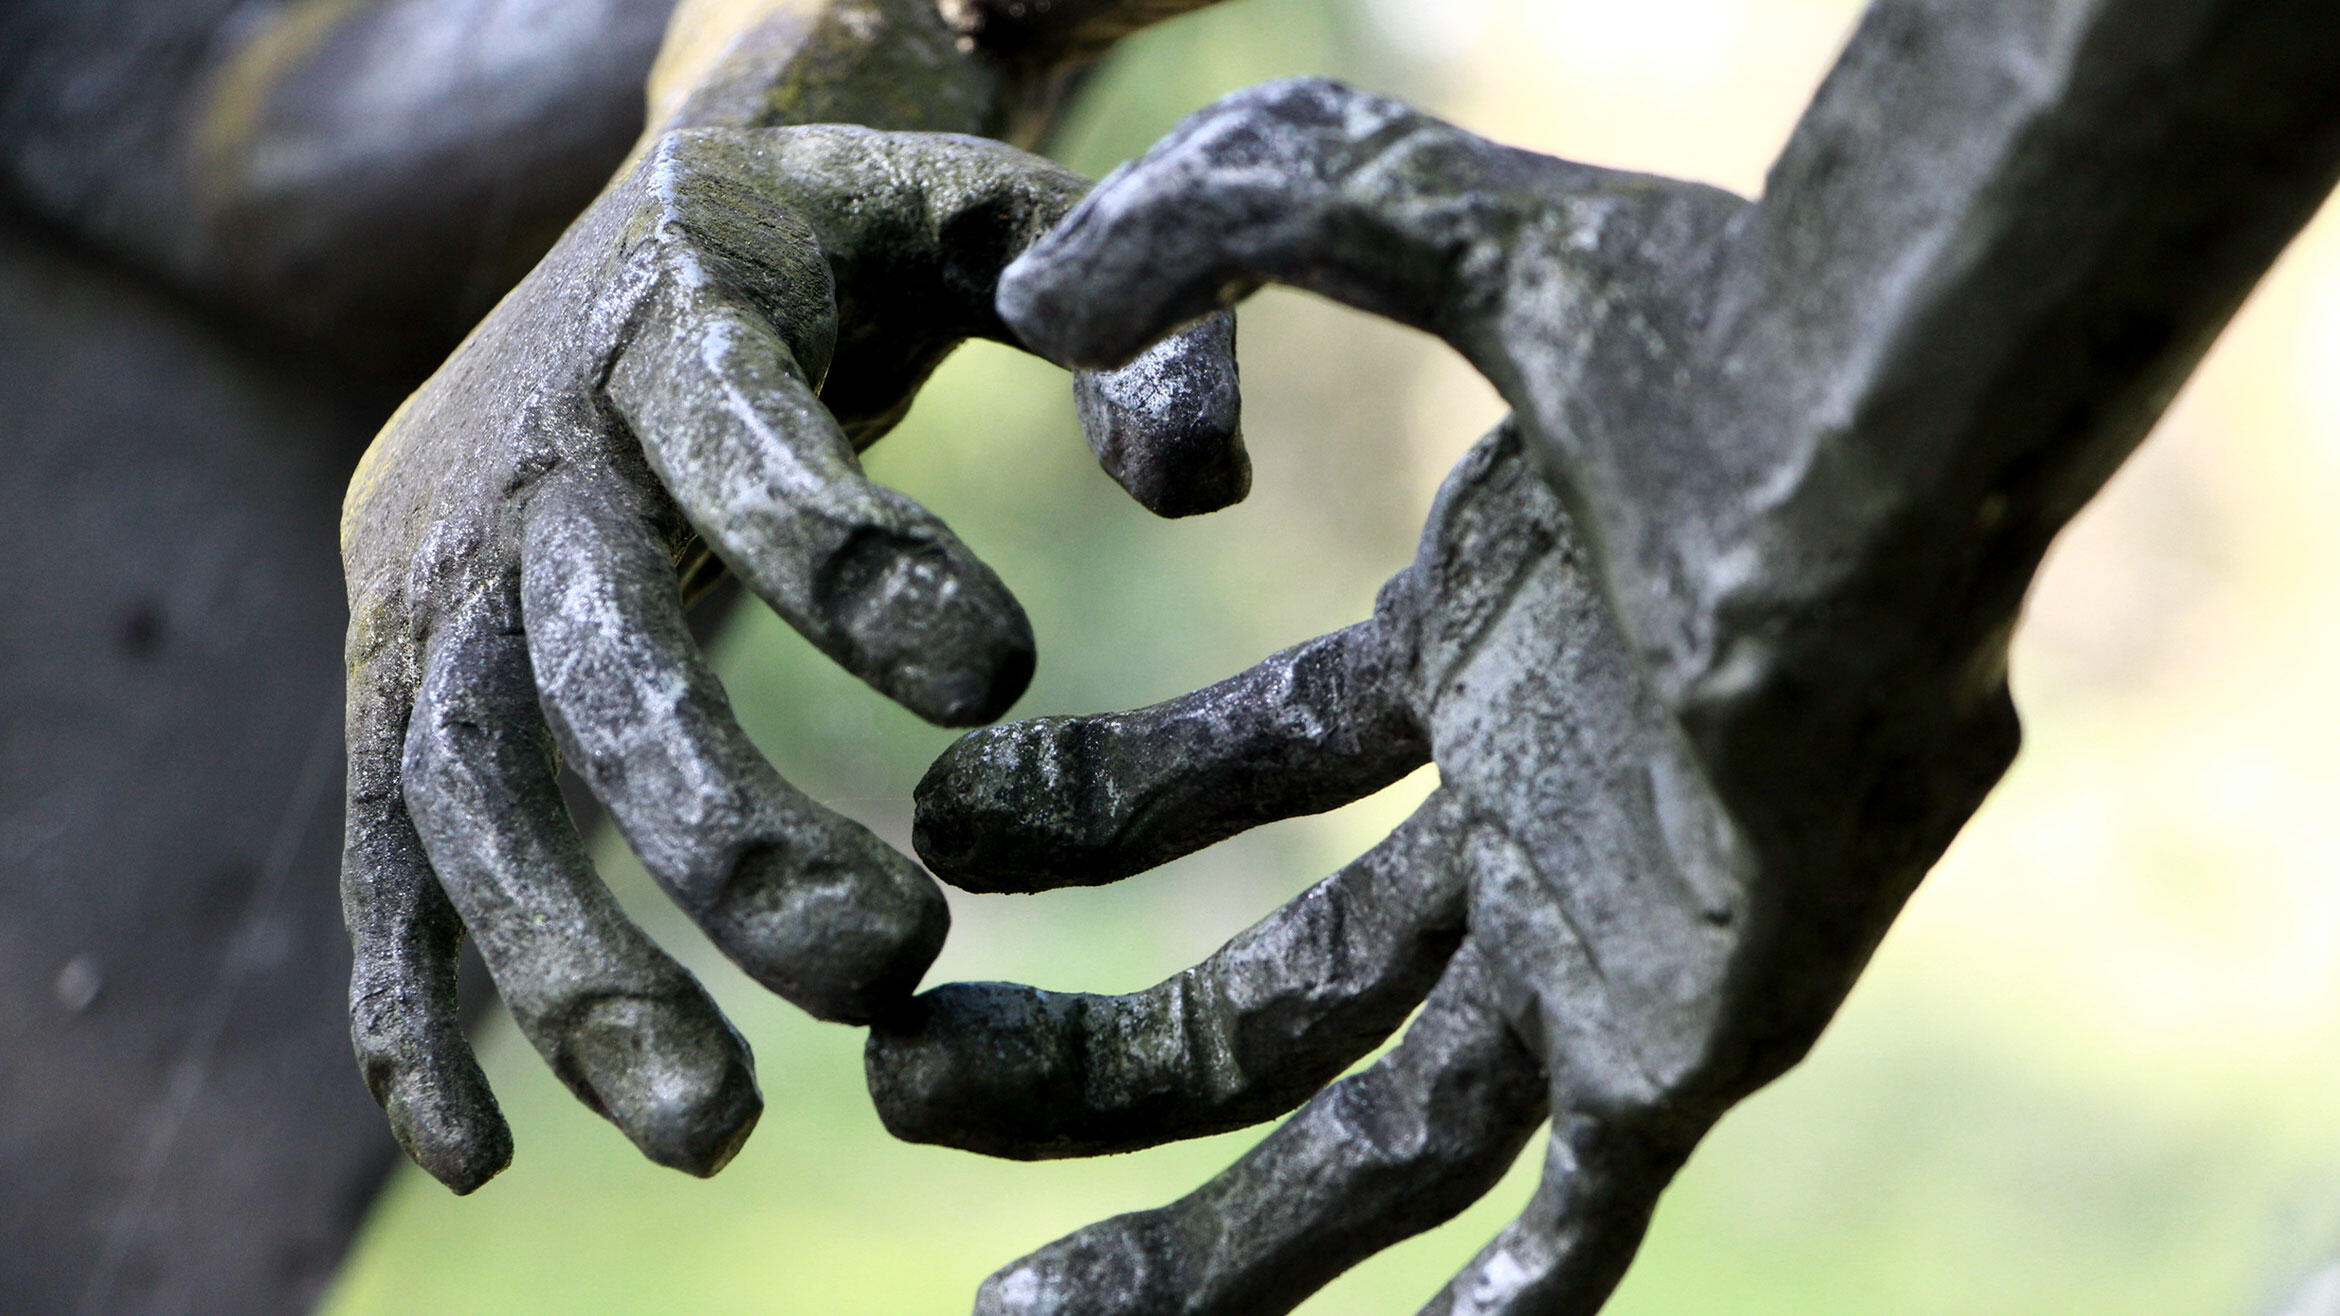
(1703, 717)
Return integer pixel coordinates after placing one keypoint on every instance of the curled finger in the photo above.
(808, 902)
(1371, 1160)
(1354, 196)
(404, 1020)
(736, 433)
(630, 1032)
(1244, 1036)
(916, 229)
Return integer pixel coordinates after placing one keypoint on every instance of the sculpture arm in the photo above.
(1708, 735)
(1992, 250)
(367, 176)
(690, 375)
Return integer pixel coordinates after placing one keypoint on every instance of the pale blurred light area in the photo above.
(2092, 1070)
(1698, 89)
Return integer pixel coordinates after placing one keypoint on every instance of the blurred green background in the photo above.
(2090, 1072)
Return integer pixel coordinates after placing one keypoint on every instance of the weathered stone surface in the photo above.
(690, 374)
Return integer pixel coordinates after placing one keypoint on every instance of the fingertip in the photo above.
(1018, 1289)
(968, 1065)
(441, 1111)
(846, 937)
(1077, 301)
(467, 1168)
(928, 624)
(971, 677)
(983, 690)
(458, 1137)
(1035, 303)
(1117, 1266)
(1168, 426)
(1006, 809)
(1211, 482)
(421, 1071)
(672, 1075)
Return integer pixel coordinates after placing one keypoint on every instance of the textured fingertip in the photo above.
(1140, 256)
(1197, 490)
(1191, 480)
(678, 1081)
(1016, 809)
(969, 1065)
(1021, 1289)
(985, 685)
(1168, 427)
(930, 626)
(844, 939)
(448, 1124)
(1114, 1268)
(1040, 298)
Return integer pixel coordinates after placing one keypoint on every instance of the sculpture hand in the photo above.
(1577, 967)
(1569, 901)
(687, 377)
(1699, 734)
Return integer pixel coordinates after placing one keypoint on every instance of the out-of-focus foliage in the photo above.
(2090, 1071)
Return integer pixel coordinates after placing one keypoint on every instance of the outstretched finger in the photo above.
(808, 902)
(404, 1021)
(1310, 183)
(1372, 1160)
(1080, 801)
(1244, 1036)
(627, 1029)
(916, 229)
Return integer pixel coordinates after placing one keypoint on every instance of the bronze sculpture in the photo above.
(1699, 735)
(1808, 451)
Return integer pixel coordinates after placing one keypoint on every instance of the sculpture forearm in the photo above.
(366, 177)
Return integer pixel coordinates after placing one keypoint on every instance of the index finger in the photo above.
(918, 229)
